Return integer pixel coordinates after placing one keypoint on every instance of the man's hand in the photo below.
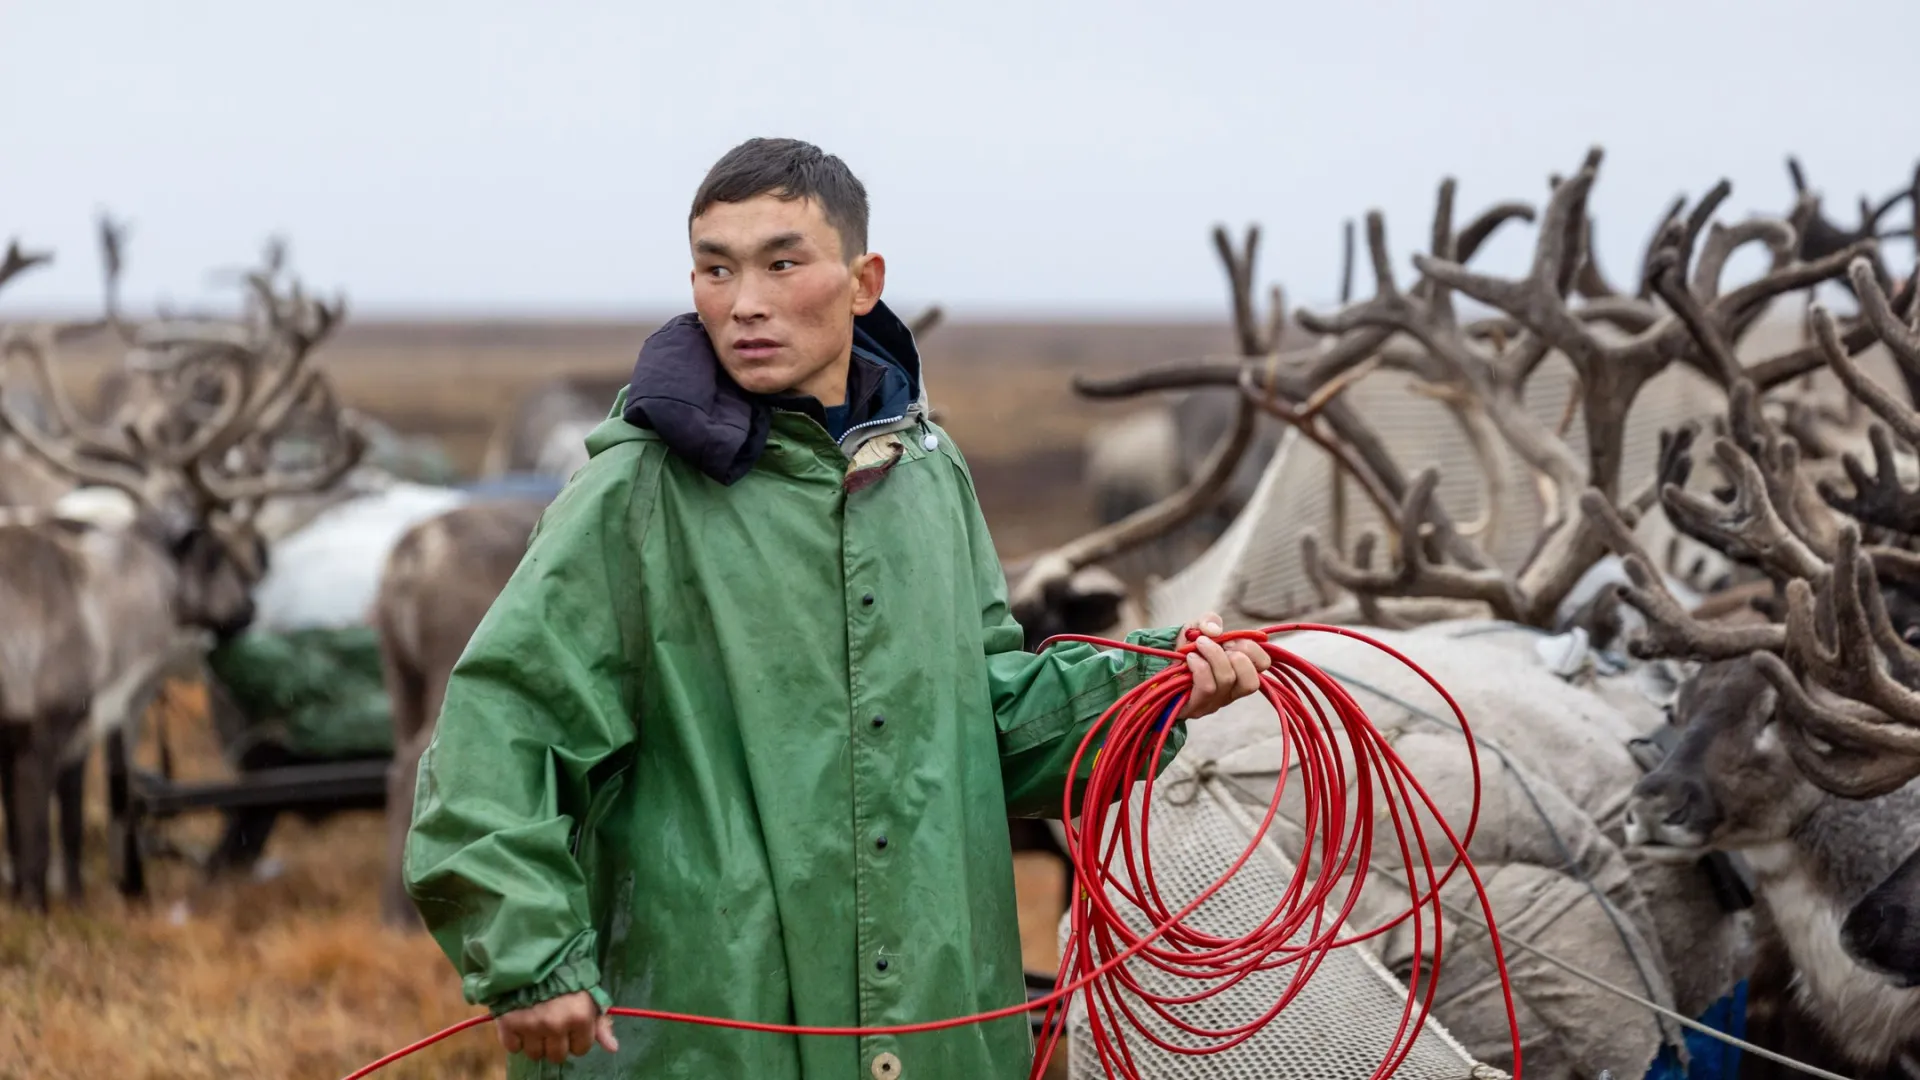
(555, 1029)
(1222, 674)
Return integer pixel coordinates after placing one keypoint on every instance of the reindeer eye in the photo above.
(1911, 635)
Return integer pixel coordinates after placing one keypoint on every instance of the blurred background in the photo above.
(499, 192)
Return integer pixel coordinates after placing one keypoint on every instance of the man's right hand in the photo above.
(556, 1029)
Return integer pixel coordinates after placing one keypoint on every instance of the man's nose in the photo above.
(750, 299)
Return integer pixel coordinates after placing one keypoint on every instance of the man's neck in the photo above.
(829, 386)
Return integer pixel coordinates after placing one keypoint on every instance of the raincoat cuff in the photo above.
(576, 971)
(1163, 637)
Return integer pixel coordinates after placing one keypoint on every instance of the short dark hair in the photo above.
(789, 169)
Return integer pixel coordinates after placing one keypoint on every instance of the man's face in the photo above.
(777, 296)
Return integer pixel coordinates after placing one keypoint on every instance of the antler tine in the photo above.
(1346, 262)
(1591, 283)
(1537, 300)
(1664, 234)
(1665, 269)
(1417, 576)
(924, 322)
(113, 261)
(1900, 338)
(1795, 363)
(1671, 633)
(1240, 281)
(77, 451)
(345, 441)
(1851, 757)
(1863, 640)
(1878, 498)
(18, 262)
(1723, 240)
(1481, 228)
(347, 451)
(1702, 214)
(1750, 528)
(1207, 486)
(1152, 521)
(1791, 278)
(1898, 415)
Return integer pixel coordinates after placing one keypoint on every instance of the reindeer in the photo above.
(1616, 344)
(1797, 745)
(546, 431)
(95, 607)
(439, 581)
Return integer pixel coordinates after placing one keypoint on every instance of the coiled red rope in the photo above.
(1338, 827)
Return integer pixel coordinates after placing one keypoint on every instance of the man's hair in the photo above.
(789, 169)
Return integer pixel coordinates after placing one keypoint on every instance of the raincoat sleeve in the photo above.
(1043, 704)
(542, 695)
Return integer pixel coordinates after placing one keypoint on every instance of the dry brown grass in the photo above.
(294, 976)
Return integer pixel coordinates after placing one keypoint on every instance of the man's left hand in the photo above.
(1222, 673)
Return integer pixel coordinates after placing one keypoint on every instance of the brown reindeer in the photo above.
(95, 606)
(440, 579)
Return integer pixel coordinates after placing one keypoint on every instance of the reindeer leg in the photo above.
(9, 808)
(70, 788)
(31, 767)
(415, 707)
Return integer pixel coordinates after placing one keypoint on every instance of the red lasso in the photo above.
(1121, 745)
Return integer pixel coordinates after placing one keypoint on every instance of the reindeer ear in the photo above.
(1661, 680)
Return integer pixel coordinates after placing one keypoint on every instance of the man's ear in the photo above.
(869, 279)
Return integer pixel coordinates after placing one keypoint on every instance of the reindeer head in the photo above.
(206, 433)
(1729, 782)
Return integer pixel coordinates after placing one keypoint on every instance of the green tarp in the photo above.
(317, 692)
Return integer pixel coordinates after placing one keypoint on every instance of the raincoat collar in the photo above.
(680, 391)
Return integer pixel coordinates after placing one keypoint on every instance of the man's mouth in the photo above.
(755, 348)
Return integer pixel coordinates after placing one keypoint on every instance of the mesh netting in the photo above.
(1338, 1028)
(1254, 574)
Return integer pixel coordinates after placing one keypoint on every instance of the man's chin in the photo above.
(762, 381)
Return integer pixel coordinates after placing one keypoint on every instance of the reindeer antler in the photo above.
(255, 376)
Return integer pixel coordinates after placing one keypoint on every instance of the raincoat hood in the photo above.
(680, 391)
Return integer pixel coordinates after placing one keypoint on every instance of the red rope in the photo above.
(1338, 839)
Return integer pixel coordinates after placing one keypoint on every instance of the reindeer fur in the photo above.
(1731, 784)
(439, 581)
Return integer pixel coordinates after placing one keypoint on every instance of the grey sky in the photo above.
(1022, 157)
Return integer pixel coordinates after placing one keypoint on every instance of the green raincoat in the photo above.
(748, 751)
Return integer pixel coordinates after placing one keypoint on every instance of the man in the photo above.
(740, 736)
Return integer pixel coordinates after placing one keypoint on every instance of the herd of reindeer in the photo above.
(137, 529)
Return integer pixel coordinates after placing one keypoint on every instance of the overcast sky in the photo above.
(1022, 157)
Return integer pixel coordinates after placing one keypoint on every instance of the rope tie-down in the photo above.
(1340, 801)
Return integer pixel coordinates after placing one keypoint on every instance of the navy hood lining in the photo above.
(680, 390)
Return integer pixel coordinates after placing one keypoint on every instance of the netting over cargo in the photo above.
(1254, 572)
(1340, 1027)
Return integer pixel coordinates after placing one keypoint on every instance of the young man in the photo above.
(740, 736)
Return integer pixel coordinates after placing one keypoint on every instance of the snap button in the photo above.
(931, 443)
(867, 600)
(880, 842)
(886, 1067)
(880, 964)
(879, 721)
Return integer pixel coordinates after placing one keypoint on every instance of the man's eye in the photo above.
(782, 264)
(718, 271)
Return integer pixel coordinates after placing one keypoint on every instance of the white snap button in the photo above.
(931, 442)
(886, 1067)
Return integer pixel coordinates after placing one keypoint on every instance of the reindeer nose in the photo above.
(1671, 803)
